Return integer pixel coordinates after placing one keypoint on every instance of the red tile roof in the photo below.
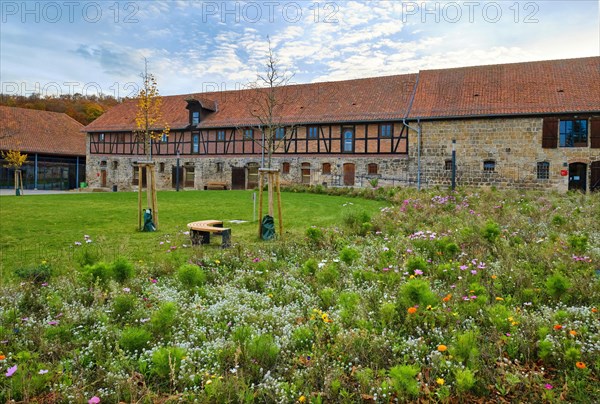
(371, 99)
(34, 131)
(554, 86)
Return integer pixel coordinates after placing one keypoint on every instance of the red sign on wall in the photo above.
(564, 173)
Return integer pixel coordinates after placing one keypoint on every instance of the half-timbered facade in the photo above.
(521, 125)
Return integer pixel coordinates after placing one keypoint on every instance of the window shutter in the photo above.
(595, 133)
(550, 133)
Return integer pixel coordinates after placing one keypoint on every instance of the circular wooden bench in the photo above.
(201, 230)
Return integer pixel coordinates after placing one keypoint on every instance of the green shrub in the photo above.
(578, 243)
(241, 335)
(163, 319)
(303, 338)
(416, 262)
(100, 272)
(263, 350)
(166, 362)
(465, 349)
(558, 220)
(122, 306)
(403, 380)
(465, 380)
(191, 276)
(328, 275)
(135, 339)
(348, 255)
(491, 231)
(38, 273)
(557, 285)
(315, 235)
(328, 297)
(309, 268)
(122, 270)
(416, 292)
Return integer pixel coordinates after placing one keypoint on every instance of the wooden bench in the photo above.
(215, 185)
(200, 232)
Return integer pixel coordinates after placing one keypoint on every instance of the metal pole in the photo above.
(177, 173)
(77, 173)
(453, 164)
(35, 173)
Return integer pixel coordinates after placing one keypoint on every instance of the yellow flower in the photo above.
(440, 381)
(514, 323)
(499, 299)
(217, 262)
(302, 399)
(442, 348)
(494, 276)
(208, 382)
(580, 365)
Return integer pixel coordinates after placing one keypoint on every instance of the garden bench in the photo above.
(200, 232)
(216, 185)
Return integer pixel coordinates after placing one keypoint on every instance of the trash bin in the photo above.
(114, 188)
(83, 185)
(267, 228)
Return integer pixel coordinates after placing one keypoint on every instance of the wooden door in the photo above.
(577, 177)
(349, 174)
(305, 173)
(174, 177)
(595, 176)
(252, 175)
(103, 178)
(189, 177)
(238, 178)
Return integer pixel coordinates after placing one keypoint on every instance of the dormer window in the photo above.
(195, 118)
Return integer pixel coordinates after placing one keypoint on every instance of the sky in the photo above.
(67, 47)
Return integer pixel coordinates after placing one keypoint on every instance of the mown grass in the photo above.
(39, 227)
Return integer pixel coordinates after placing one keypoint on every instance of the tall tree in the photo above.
(149, 120)
(268, 99)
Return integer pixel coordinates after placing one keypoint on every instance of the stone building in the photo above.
(526, 125)
(54, 144)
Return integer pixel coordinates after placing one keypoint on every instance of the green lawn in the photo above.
(39, 227)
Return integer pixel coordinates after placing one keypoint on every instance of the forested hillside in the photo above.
(79, 107)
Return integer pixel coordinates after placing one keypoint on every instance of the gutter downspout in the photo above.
(418, 130)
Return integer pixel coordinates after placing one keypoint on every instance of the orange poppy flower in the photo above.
(580, 365)
(2, 357)
(557, 327)
(412, 310)
(447, 298)
(573, 332)
(442, 348)
(594, 310)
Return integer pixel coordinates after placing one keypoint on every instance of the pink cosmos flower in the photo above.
(11, 371)
(548, 386)
(94, 400)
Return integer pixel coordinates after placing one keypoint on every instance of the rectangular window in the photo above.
(164, 137)
(326, 168)
(279, 133)
(285, 168)
(195, 118)
(385, 130)
(543, 170)
(448, 165)
(489, 166)
(313, 132)
(101, 137)
(249, 134)
(372, 169)
(196, 144)
(573, 133)
(221, 135)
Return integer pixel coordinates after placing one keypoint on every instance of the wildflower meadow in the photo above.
(432, 296)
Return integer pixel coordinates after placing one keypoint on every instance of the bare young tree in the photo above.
(268, 99)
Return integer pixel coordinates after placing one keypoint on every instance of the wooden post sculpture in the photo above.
(150, 193)
(19, 182)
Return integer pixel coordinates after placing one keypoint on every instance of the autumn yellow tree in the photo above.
(15, 160)
(149, 121)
